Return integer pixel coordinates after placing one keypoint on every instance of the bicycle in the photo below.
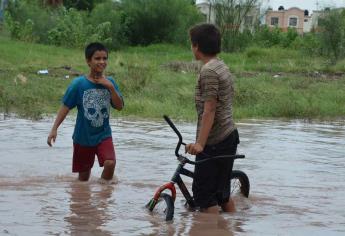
(163, 203)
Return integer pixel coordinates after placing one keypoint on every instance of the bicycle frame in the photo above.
(176, 179)
(180, 170)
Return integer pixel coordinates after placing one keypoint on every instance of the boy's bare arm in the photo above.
(206, 125)
(115, 97)
(59, 118)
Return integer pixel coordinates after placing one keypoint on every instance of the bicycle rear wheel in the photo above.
(239, 183)
(164, 207)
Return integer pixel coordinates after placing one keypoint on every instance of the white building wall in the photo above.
(205, 8)
(308, 24)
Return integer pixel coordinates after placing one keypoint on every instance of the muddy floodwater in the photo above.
(296, 170)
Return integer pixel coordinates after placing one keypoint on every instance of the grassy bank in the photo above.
(160, 79)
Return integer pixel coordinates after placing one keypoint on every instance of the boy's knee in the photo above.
(84, 176)
(109, 164)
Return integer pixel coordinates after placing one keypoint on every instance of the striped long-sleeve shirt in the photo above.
(215, 81)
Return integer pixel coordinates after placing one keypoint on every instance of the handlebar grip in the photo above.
(240, 156)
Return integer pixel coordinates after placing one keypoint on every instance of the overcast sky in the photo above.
(304, 4)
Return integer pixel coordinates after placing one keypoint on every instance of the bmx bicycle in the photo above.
(162, 203)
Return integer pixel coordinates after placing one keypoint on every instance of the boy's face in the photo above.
(98, 61)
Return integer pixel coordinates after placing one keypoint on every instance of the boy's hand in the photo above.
(194, 148)
(51, 137)
(103, 81)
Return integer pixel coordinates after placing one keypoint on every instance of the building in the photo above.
(292, 18)
(205, 7)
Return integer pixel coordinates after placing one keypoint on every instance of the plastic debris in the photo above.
(42, 72)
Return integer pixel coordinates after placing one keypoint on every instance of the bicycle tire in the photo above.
(164, 206)
(239, 183)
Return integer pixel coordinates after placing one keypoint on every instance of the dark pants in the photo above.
(211, 183)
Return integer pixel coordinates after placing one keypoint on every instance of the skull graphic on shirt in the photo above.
(96, 103)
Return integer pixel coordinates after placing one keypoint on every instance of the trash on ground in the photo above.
(42, 72)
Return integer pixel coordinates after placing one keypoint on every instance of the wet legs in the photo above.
(84, 176)
(107, 174)
(108, 171)
(229, 206)
(226, 207)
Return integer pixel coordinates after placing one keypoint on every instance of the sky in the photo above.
(304, 4)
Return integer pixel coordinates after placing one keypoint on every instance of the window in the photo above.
(274, 20)
(293, 21)
(305, 20)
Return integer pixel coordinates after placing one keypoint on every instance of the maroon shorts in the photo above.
(84, 157)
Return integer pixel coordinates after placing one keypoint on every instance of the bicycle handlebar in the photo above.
(180, 142)
(186, 160)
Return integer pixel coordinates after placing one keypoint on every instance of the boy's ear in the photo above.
(87, 61)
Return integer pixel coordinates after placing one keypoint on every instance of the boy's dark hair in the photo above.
(206, 37)
(92, 48)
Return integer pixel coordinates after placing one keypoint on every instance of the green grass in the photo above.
(151, 88)
(295, 97)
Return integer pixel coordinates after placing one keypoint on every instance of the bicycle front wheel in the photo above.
(239, 183)
(163, 208)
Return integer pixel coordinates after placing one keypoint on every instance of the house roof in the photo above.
(291, 8)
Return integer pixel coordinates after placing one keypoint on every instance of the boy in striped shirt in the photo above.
(216, 133)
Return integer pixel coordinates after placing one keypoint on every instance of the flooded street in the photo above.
(296, 170)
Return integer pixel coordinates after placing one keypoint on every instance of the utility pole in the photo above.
(209, 11)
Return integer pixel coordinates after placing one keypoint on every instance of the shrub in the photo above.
(266, 37)
(309, 44)
(106, 19)
(155, 21)
(288, 38)
(332, 34)
(70, 30)
(26, 18)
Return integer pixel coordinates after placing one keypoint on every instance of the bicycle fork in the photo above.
(154, 200)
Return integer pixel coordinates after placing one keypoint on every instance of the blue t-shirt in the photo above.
(93, 102)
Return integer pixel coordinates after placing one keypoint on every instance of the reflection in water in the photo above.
(296, 171)
(207, 224)
(89, 208)
(195, 224)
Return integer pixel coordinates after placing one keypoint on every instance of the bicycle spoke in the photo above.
(235, 186)
(160, 207)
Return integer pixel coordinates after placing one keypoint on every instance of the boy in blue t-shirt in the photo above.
(92, 95)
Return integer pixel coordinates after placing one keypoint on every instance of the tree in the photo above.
(333, 34)
(155, 21)
(53, 3)
(82, 4)
(230, 15)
